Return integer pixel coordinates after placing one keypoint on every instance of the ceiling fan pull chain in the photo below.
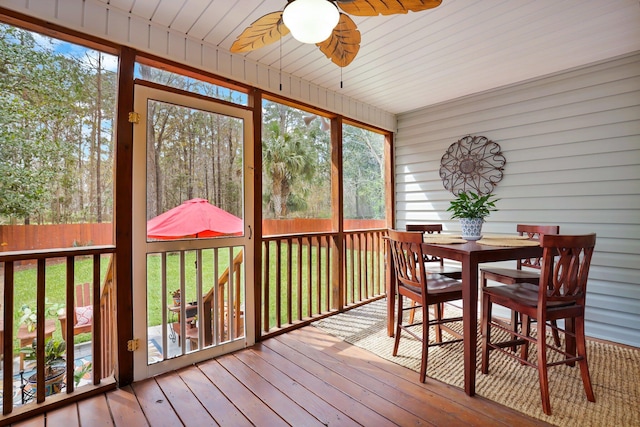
(280, 62)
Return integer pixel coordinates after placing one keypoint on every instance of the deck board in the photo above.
(213, 400)
(94, 412)
(314, 404)
(305, 377)
(476, 407)
(402, 393)
(279, 402)
(154, 404)
(37, 421)
(66, 416)
(124, 408)
(389, 407)
(252, 406)
(183, 401)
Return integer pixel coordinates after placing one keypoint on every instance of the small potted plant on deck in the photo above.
(176, 297)
(54, 365)
(471, 209)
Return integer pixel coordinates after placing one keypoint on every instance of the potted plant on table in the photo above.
(29, 317)
(471, 209)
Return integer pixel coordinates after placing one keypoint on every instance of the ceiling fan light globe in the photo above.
(311, 21)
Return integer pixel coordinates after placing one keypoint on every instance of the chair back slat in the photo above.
(427, 229)
(565, 267)
(406, 250)
(534, 232)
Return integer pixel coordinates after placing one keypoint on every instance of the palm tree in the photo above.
(286, 160)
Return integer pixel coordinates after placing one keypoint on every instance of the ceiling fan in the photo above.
(320, 22)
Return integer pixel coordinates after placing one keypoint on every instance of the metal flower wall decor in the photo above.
(473, 163)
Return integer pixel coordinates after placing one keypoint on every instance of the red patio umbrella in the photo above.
(194, 218)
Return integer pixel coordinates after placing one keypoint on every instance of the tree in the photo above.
(37, 91)
(190, 152)
(290, 159)
(57, 104)
(363, 173)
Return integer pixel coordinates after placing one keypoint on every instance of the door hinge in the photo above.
(132, 345)
(134, 117)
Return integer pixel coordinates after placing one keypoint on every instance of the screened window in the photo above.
(57, 109)
(189, 84)
(296, 156)
(363, 178)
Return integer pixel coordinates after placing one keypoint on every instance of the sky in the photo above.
(109, 62)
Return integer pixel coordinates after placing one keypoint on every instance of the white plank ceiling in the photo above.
(418, 59)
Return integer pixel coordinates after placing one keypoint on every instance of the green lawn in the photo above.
(154, 275)
(55, 278)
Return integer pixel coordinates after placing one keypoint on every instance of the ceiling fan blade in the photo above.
(385, 7)
(262, 32)
(344, 43)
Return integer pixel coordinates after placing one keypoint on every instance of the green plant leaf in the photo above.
(472, 205)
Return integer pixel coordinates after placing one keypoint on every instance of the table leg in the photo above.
(470, 322)
(391, 291)
(23, 343)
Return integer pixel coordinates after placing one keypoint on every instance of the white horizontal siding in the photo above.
(99, 19)
(572, 145)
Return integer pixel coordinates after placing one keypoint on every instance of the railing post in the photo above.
(67, 331)
(96, 339)
(207, 320)
(7, 345)
(236, 301)
(266, 283)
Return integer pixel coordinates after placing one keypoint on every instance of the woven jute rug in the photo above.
(615, 372)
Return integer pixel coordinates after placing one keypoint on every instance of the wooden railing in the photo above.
(211, 314)
(364, 265)
(226, 331)
(103, 308)
(312, 275)
(108, 323)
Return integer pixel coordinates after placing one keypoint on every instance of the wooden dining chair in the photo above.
(434, 264)
(413, 282)
(559, 294)
(531, 273)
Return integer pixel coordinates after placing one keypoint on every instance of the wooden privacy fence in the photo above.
(53, 236)
(272, 227)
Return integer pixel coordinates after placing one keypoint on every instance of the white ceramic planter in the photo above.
(471, 228)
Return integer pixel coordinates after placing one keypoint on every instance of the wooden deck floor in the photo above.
(303, 378)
